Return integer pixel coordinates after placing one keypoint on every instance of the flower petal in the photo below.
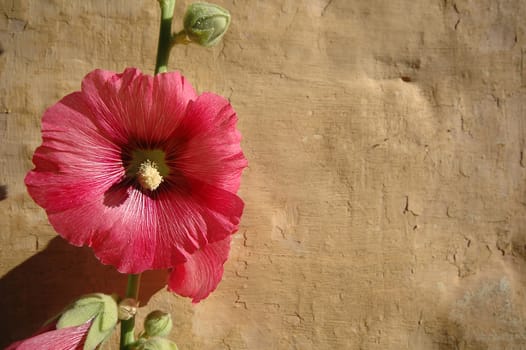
(123, 230)
(171, 95)
(201, 273)
(157, 232)
(133, 231)
(71, 338)
(221, 210)
(213, 151)
(136, 106)
(118, 102)
(75, 160)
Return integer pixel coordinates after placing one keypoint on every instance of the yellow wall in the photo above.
(385, 196)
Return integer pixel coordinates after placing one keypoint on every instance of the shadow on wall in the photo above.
(42, 286)
(3, 192)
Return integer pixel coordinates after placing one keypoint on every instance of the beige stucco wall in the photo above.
(385, 197)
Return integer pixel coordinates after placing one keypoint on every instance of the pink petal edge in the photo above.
(70, 338)
(202, 272)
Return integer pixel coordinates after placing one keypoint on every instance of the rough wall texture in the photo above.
(385, 198)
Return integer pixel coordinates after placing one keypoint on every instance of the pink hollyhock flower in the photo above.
(144, 171)
(50, 338)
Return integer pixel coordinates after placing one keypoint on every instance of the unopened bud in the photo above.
(127, 308)
(157, 324)
(205, 24)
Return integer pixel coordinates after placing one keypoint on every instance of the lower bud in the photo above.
(157, 324)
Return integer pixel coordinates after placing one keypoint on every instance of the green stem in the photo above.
(165, 35)
(128, 326)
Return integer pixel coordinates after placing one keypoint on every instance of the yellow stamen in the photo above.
(149, 176)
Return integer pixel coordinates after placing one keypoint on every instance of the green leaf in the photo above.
(110, 313)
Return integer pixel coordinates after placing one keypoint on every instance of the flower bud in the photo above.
(157, 324)
(127, 308)
(156, 344)
(100, 309)
(205, 24)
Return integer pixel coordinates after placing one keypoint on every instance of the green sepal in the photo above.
(100, 308)
(103, 324)
(86, 308)
(95, 334)
(79, 313)
(71, 318)
(110, 313)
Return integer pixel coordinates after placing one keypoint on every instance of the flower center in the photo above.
(148, 175)
(148, 168)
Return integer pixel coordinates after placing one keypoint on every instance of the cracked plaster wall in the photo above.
(385, 197)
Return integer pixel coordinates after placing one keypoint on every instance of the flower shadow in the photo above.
(116, 195)
(40, 287)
